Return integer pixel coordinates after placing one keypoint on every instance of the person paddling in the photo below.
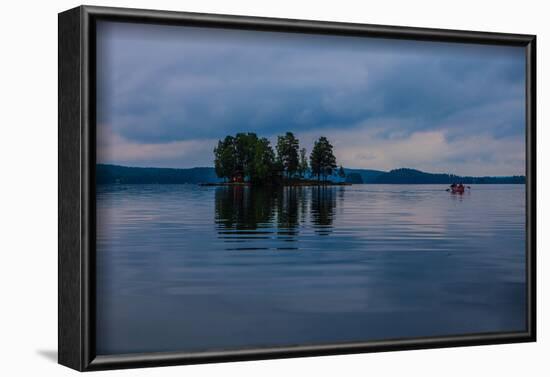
(457, 188)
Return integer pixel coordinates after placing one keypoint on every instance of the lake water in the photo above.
(189, 268)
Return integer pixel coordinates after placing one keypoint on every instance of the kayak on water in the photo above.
(457, 188)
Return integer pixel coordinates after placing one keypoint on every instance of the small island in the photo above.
(246, 159)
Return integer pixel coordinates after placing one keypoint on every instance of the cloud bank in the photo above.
(166, 94)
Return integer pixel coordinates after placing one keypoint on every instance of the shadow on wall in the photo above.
(51, 355)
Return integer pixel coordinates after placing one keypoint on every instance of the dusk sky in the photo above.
(166, 94)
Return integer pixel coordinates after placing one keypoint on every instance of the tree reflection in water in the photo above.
(244, 208)
(323, 204)
(244, 213)
(288, 210)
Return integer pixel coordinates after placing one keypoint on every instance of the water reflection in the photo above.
(335, 265)
(247, 213)
(242, 208)
(288, 210)
(323, 204)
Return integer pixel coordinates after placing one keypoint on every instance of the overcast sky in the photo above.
(166, 94)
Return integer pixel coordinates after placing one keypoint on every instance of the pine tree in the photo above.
(341, 172)
(287, 153)
(322, 159)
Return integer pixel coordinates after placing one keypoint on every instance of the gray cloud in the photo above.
(177, 87)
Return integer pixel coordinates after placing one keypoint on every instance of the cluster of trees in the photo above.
(246, 156)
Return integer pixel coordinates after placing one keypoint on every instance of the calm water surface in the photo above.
(183, 267)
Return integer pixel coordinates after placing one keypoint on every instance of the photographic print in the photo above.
(263, 189)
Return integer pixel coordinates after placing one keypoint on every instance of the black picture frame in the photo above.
(76, 188)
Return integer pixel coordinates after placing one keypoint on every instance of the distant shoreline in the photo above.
(113, 174)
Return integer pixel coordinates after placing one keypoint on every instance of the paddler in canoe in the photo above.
(457, 188)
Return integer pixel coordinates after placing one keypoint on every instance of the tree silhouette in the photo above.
(341, 172)
(245, 156)
(263, 163)
(245, 148)
(287, 153)
(322, 159)
(225, 161)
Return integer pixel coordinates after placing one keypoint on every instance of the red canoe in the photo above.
(457, 190)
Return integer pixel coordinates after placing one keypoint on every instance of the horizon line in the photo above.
(382, 171)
